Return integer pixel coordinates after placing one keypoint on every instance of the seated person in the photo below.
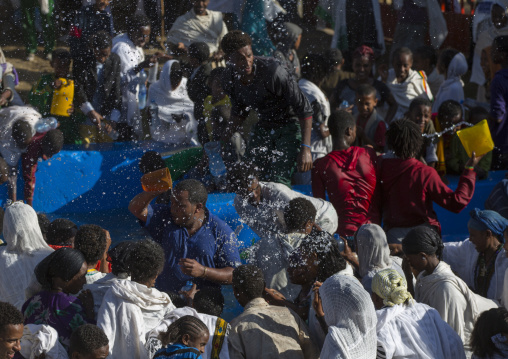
(174, 121)
(425, 60)
(488, 340)
(98, 93)
(187, 337)
(452, 64)
(449, 114)
(289, 39)
(420, 112)
(369, 123)
(263, 330)
(261, 204)
(88, 341)
(61, 233)
(11, 330)
(131, 308)
(409, 188)
(334, 72)
(271, 252)
(93, 242)
(61, 274)
(405, 83)
(348, 175)
(197, 25)
(399, 317)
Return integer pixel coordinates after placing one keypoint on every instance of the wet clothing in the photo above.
(178, 351)
(349, 178)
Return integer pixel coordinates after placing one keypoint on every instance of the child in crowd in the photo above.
(209, 301)
(488, 340)
(420, 112)
(99, 90)
(93, 242)
(334, 73)
(289, 39)
(41, 95)
(186, 337)
(425, 59)
(450, 113)
(452, 64)
(88, 342)
(370, 126)
(61, 233)
(405, 83)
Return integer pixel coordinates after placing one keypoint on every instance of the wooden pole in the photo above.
(162, 25)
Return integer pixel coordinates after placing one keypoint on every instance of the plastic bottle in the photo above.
(344, 105)
(188, 286)
(215, 162)
(46, 124)
(142, 90)
(113, 134)
(152, 73)
(154, 113)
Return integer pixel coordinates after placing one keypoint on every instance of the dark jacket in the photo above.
(86, 79)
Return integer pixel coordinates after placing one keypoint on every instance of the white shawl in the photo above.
(351, 319)
(452, 298)
(128, 312)
(416, 331)
(452, 87)
(41, 339)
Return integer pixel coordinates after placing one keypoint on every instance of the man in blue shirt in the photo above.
(198, 246)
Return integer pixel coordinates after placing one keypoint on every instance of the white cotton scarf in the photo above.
(41, 339)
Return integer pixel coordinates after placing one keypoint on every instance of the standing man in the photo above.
(198, 246)
(282, 136)
(11, 330)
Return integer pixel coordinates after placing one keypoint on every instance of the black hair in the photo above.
(419, 101)
(234, 41)
(217, 72)
(196, 189)
(427, 52)
(423, 239)
(146, 261)
(151, 161)
(333, 57)
(61, 54)
(21, 133)
(187, 324)
(101, 40)
(478, 111)
(401, 51)
(86, 339)
(44, 224)
(501, 43)
(241, 177)
(60, 231)
(249, 280)
(137, 21)
(404, 137)
(175, 75)
(338, 123)
(52, 142)
(298, 212)
(328, 253)
(209, 301)
(91, 241)
(447, 56)
(200, 51)
(488, 324)
(176, 299)
(120, 256)
(449, 109)
(9, 315)
(314, 67)
(366, 90)
(63, 263)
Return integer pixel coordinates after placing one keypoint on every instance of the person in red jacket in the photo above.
(409, 187)
(348, 174)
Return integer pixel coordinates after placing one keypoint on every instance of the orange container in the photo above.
(63, 98)
(476, 139)
(157, 181)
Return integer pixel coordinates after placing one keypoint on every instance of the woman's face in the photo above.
(302, 268)
(481, 239)
(498, 16)
(362, 67)
(76, 283)
(417, 261)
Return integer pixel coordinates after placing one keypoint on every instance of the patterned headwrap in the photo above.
(488, 220)
(390, 286)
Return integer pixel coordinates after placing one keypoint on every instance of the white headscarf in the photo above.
(373, 251)
(21, 230)
(351, 319)
(451, 88)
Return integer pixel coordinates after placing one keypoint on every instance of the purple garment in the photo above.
(63, 312)
(498, 109)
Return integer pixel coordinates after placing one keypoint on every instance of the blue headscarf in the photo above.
(488, 220)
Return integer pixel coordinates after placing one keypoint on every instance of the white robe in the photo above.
(462, 258)
(416, 332)
(41, 339)
(268, 216)
(452, 88)
(128, 312)
(99, 288)
(452, 298)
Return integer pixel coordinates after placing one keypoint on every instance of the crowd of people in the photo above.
(358, 269)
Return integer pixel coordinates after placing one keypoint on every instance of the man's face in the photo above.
(101, 353)
(141, 36)
(366, 104)
(200, 6)
(362, 67)
(10, 338)
(102, 55)
(401, 65)
(243, 60)
(182, 211)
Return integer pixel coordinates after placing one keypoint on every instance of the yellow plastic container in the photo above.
(156, 181)
(63, 98)
(476, 139)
